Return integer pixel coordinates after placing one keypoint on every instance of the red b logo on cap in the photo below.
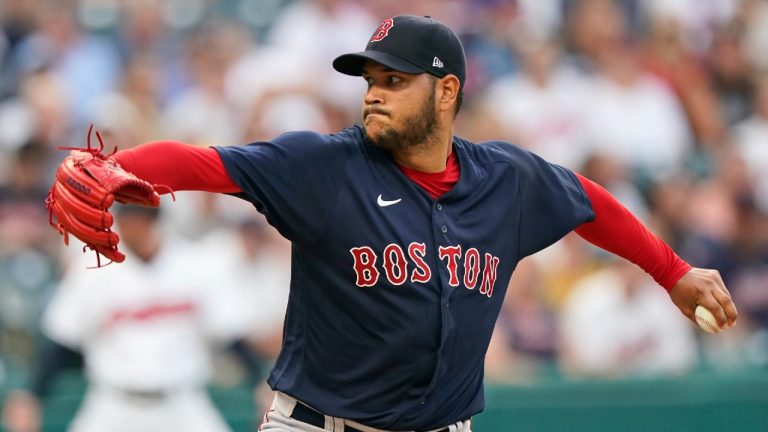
(383, 30)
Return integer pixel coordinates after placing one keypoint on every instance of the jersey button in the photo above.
(444, 229)
(439, 207)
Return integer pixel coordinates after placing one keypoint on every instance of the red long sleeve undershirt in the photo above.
(614, 229)
(617, 230)
(161, 162)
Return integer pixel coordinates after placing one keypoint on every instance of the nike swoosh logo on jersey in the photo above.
(385, 203)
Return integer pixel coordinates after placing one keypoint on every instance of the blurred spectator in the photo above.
(526, 338)
(85, 65)
(731, 73)
(40, 111)
(610, 174)
(618, 322)
(624, 99)
(277, 70)
(751, 143)
(488, 43)
(17, 20)
(754, 13)
(257, 258)
(23, 218)
(143, 33)
(21, 413)
(542, 17)
(711, 218)
(477, 123)
(3, 50)
(201, 114)
(338, 21)
(667, 203)
(696, 18)
(567, 262)
(254, 256)
(290, 109)
(131, 115)
(28, 261)
(196, 214)
(594, 28)
(341, 24)
(667, 56)
(749, 247)
(541, 108)
(748, 280)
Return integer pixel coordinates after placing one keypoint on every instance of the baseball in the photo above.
(706, 320)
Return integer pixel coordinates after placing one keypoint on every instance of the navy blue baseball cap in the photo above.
(410, 44)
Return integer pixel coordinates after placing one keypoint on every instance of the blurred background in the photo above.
(663, 102)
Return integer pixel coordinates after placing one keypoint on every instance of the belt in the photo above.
(148, 395)
(309, 416)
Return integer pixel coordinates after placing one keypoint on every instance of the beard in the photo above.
(415, 129)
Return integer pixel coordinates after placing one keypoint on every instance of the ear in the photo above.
(447, 92)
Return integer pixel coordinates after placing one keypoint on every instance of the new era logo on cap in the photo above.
(437, 63)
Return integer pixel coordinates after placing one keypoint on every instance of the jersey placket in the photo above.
(443, 238)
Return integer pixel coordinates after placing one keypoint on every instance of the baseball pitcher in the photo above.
(404, 238)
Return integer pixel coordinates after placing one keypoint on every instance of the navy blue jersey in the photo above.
(394, 294)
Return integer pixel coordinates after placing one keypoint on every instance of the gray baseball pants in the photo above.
(278, 419)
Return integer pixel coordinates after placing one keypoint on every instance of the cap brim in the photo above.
(352, 64)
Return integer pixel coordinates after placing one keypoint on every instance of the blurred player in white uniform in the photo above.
(147, 330)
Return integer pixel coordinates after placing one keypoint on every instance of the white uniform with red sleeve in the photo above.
(147, 331)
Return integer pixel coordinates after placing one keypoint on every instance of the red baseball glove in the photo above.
(87, 183)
